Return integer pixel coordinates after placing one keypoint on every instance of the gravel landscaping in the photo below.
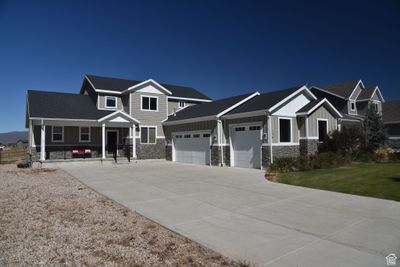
(48, 218)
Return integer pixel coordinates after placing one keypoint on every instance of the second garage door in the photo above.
(246, 143)
(192, 147)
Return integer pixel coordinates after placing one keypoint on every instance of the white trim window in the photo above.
(149, 103)
(285, 130)
(182, 104)
(322, 129)
(110, 102)
(57, 134)
(375, 107)
(84, 134)
(148, 134)
(352, 106)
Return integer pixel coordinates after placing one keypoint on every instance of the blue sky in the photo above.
(222, 48)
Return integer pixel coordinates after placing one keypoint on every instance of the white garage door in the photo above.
(246, 143)
(193, 147)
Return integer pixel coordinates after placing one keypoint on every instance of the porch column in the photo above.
(269, 130)
(42, 141)
(103, 141)
(133, 141)
(30, 139)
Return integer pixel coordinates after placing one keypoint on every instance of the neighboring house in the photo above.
(250, 130)
(391, 118)
(21, 144)
(108, 113)
(352, 99)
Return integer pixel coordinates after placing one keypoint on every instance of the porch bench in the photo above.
(81, 151)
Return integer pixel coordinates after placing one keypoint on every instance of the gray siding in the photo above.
(301, 122)
(320, 113)
(173, 105)
(149, 118)
(125, 103)
(275, 129)
(101, 102)
(375, 97)
(355, 93)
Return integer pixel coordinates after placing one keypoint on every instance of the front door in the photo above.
(111, 141)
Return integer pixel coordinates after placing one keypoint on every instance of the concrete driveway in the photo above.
(239, 214)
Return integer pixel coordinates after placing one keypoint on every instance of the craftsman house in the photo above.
(107, 115)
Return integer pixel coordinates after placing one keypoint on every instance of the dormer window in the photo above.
(352, 106)
(374, 106)
(182, 104)
(111, 102)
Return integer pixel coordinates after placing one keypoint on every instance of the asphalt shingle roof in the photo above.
(207, 109)
(339, 103)
(119, 85)
(366, 93)
(391, 111)
(309, 106)
(44, 104)
(342, 89)
(264, 101)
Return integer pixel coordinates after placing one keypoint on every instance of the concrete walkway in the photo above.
(237, 213)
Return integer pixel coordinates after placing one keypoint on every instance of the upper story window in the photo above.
(285, 130)
(182, 104)
(57, 134)
(149, 103)
(352, 106)
(111, 102)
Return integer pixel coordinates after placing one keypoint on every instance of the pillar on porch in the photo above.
(42, 142)
(133, 141)
(103, 141)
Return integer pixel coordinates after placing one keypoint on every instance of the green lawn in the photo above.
(374, 180)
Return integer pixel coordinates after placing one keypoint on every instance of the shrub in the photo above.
(394, 157)
(329, 160)
(346, 143)
(282, 165)
(381, 155)
(305, 163)
(366, 157)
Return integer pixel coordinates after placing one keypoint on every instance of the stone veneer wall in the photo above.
(151, 151)
(308, 147)
(62, 152)
(143, 151)
(215, 155)
(168, 152)
(285, 151)
(227, 155)
(265, 156)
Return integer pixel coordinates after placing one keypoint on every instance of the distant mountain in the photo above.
(12, 137)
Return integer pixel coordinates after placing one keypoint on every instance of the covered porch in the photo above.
(57, 138)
